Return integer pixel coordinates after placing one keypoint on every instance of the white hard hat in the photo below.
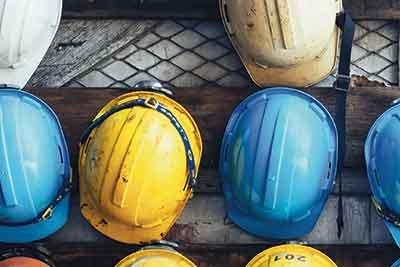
(27, 28)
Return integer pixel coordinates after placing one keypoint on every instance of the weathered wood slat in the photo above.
(377, 9)
(379, 233)
(355, 182)
(204, 222)
(205, 9)
(212, 107)
(79, 45)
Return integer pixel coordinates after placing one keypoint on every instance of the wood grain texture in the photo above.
(355, 182)
(377, 9)
(212, 108)
(79, 45)
(204, 9)
(204, 222)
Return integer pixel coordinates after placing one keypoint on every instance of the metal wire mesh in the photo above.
(186, 53)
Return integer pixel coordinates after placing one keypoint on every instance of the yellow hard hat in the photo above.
(156, 257)
(291, 256)
(284, 42)
(138, 162)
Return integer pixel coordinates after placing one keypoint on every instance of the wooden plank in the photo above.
(379, 233)
(202, 9)
(204, 222)
(377, 9)
(212, 108)
(80, 255)
(141, 9)
(355, 182)
(79, 45)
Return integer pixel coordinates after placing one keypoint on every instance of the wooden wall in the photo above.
(360, 9)
(203, 231)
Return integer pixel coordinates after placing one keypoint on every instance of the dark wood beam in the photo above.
(212, 107)
(201, 9)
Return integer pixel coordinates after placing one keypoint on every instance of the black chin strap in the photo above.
(342, 84)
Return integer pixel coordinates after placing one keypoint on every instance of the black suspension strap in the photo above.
(342, 84)
(152, 103)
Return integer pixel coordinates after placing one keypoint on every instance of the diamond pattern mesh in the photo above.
(198, 53)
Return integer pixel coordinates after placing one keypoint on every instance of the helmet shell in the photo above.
(155, 257)
(34, 164)
(133, 170)
(382, 155)
(291, 256)
(25, 257)
(22, 262)
(27, 29)
(284, 43)
(278, 163)
(396, 264)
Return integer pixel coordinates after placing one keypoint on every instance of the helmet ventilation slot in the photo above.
(376, 176)
(2, 199)
(225, 14)
(329, 171)
(61, 155)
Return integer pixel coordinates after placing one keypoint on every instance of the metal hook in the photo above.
(395, 102)
(169, 245)
(153, 86)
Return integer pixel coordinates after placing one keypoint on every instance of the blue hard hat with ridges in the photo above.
(396, 264)
(34, 169)
(278, 162)
(382, 155)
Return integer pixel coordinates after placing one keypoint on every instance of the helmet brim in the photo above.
(272, 230)
(120, 231)
(394, 231)
(38, 231)
(396, 264)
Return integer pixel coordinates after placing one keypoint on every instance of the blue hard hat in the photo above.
(278, 162)
(396, 264)
(34, 169)
(382, 155)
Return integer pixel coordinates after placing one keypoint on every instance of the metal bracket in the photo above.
(162, 244)
(153, 86)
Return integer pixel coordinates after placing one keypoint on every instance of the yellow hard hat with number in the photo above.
(291, 256)
(156, 257)
(138, 162)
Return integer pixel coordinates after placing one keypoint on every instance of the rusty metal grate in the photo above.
(187, 53)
